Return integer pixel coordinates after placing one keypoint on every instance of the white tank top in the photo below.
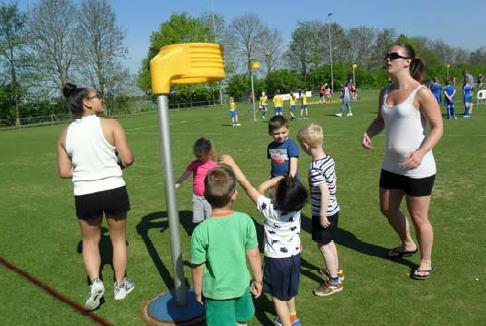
(404, 134)
(94, 161)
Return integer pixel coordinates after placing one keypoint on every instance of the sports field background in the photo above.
(40, 234)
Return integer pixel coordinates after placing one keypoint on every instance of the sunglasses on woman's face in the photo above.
(94, 96)
(394, 56)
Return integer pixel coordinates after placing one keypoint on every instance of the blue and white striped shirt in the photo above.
(323, 171)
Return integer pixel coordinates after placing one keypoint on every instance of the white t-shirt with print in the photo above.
(282, 230)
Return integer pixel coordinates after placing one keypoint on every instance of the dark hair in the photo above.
(74, 98)
(220, 185)
(203, 148)
(277, 122)
(417, 65)
(291, 195)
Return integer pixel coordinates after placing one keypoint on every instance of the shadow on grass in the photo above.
(159, 221)
(349, 240)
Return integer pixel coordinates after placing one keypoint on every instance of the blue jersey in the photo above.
(436, 88)
(280, 154)
(449, 90)
(467, 90)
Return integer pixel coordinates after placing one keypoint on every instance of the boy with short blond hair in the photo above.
(325, 208)
(220, 246)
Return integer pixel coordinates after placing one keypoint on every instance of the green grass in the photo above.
(40, 234)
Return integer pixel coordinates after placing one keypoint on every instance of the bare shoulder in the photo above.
(110, 123)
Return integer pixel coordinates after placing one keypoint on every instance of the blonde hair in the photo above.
(311, 134)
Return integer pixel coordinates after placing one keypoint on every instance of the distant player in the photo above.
(303, 107)
(278, 103)
(436, 89)
(232, 112)
(449, 93)
(293, 100)
(467, 99)
(263, 104)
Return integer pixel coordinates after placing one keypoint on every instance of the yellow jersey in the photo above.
(277, 101)
(263, 100)
(232, 106)
(292, 99)
(304, 99)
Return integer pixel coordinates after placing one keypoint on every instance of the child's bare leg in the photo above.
(329, 256)
(282, 309)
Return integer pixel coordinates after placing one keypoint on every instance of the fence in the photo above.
(134, 109)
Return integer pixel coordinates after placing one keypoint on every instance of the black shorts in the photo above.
(323, 235)
(112, 202)
(281, 277)
(412, 187)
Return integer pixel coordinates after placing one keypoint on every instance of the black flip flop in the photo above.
(415, 276)
(397, 253)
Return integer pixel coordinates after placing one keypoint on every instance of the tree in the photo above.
(360, 40)
(247, 32)
(180, 28)
(301, 43)
(270, 48)
(54, 42)
(101, 47)
(384, 40)
(12, 43)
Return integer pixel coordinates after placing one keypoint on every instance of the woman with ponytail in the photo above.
(408, 169)
(92, 151)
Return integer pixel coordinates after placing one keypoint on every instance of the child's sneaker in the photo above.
(122, 291)
(328, 288)
(278, 322)
(326, 274)
(339, 114)
(349, 114)
(238, 124)
(96, 291)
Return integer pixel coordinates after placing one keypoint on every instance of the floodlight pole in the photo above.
(330, 49)
(447, 71)
(214, 32)
(170, 198)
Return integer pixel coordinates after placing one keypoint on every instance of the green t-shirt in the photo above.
(221, 244)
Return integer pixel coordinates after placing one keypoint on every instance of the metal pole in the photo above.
(354, 78)
(170, 199)
(253, 96)
(330, 49)
(447, 77)
(214, 32)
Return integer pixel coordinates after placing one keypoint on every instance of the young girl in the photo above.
(203, 150)
(303, 108)
(293, 100)
(232, 112)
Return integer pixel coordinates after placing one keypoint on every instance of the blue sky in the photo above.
(457, 23)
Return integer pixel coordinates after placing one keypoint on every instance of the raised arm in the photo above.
(376, 125)
(64, 164)
(267, 184)
(294, 161)
(186, 174)
(240, 176)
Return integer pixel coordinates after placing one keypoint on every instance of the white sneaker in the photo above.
(349, 114)
(122, 291)
(96, 291)
(339, 114)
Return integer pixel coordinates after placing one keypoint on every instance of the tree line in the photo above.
(55, 41)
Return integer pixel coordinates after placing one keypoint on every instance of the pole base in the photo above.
(163, 310)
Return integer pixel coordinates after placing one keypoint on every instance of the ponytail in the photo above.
(417, 67)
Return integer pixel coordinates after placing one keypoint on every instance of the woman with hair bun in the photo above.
(408, 169)
(92, 152)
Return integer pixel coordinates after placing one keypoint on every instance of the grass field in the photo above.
(40, 234)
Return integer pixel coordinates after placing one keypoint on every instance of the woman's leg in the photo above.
(117, 236)
(390, 207)
(90, 230)
(419, 212)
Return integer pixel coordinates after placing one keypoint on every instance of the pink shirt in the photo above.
(199, 170)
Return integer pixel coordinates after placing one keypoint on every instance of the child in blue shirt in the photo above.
(283, 152)
(449, 93)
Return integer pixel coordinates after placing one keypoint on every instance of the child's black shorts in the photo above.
(112, 202)
(323, 235)
(281, 277)
(412, 187)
